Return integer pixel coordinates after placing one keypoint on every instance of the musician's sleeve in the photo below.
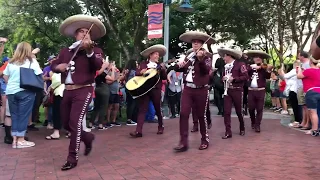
(205, 65)
(96, 59)
(163, 74)
(140, 67)
(175, 68)
(267, 74)
(243, 74)
(56, 62)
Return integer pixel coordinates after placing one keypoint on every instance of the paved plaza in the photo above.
(277, 153)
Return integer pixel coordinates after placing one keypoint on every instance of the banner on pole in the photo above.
(155, 19)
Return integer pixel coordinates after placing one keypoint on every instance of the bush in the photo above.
(268, 102)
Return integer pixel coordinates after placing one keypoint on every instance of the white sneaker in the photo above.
(25, 144)
(284, 112)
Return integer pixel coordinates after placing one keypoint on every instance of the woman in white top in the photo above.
(20, 100)
(292, 87)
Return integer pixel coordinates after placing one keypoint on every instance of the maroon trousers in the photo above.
(73, 109)
(196, 119)
(256, 103)
(155, 96)
(234, 97)
(197, 100)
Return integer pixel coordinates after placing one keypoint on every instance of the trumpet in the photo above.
(228, 74)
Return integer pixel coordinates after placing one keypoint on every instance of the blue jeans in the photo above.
(20, 105)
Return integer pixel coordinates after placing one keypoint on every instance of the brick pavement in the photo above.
(277, 153)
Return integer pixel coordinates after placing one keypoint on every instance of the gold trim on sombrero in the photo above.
(235, 53)
(161, 49)
(195, 35)
(258, 53)
(69, 26)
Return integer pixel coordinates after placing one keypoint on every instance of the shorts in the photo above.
(312, 99)
(275, 93)
(282, 96)
(114, 99)
(301, 97)
(7, 109)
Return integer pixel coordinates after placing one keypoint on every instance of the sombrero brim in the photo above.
(258, 53)
(69, 26)
(232, 52)
(188, 37)
(161, 49)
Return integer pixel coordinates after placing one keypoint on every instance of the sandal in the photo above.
(52, 138)
(203, 146)
(305, 128)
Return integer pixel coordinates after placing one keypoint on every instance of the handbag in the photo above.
(29, 80)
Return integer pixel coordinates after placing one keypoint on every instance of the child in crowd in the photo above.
(275, 92)
(283, 98)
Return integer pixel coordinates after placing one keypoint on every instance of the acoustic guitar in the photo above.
(141, 85)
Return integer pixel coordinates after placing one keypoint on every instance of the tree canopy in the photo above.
(277, 24)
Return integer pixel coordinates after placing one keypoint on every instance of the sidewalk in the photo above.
(276, 153)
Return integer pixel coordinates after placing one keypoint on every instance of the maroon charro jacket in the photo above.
(239, 74)
(200, 70)
(163, 75)
(85, 68)
(263, 75)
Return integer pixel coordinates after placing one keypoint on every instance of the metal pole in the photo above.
(166, 31)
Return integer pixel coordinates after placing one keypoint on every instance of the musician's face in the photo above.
(154, 57)
(257, 60)
(196, 44)
(227, 59)
(81, 34)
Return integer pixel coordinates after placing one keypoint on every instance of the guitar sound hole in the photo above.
(145, 75)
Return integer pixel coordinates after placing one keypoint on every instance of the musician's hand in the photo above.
(87, 45)
(225, 78)
(143, 71)
(231, 79)
(126, 71)
(62, 67)
(200, 54)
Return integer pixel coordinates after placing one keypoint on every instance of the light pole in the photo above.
(184, 7)
(166, 28)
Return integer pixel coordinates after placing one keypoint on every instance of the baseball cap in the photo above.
(49, 59)
(5, 59)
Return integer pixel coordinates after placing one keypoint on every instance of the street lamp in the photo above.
(184, 7)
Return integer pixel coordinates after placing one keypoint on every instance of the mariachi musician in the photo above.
(153, 54)
(78, 75)
(195, 118)
(258, 75)
(196, 68)
(234, 76)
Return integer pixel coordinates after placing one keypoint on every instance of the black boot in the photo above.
(8, 138)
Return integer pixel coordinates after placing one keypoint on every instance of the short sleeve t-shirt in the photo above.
(13, 71)
(46, 71)
(311, 80)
